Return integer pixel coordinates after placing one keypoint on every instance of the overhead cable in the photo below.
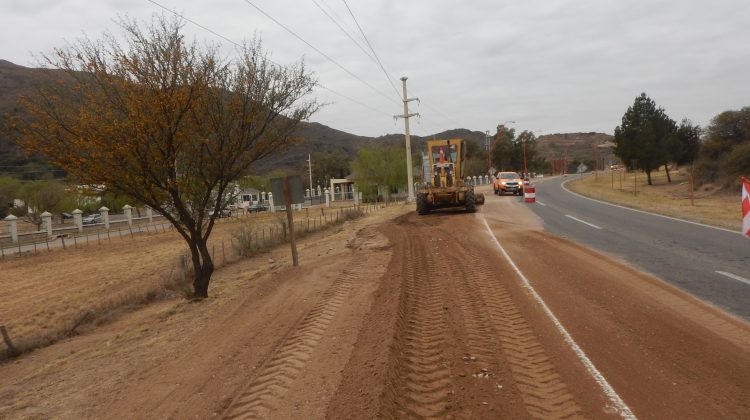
(326, 56)
(367, 41)
(328, 15)
(270, 61)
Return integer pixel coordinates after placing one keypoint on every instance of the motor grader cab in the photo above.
(444, 185)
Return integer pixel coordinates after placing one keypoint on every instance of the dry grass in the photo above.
(46, 296)
(671, 199)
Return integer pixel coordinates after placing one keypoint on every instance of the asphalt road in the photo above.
(712, 264)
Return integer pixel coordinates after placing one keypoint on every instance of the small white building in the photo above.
(246, 197)
(342, 189)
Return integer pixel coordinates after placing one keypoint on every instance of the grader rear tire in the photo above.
(470, 202)
(422, 206)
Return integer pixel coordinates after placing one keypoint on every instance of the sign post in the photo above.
(290, 188)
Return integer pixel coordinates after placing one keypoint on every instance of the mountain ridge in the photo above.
(16, 80)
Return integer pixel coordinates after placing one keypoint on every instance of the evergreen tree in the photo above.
(682, 147)
(641, 139)
(503, 148)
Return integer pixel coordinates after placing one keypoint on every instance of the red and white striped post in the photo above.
(529, 194)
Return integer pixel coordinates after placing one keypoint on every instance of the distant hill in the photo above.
(579, 145)
(17, 80)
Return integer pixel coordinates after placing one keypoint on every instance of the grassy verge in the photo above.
(709, 206)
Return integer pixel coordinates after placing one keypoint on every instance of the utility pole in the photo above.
(406, 116)
(309, 172)
(487, 144)
(523, 147)
(596, 162)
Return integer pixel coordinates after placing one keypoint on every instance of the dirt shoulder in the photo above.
(150, 355)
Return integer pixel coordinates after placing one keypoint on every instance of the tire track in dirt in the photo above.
(264, 391)
(491, 332)
(418, 383)
(543, 390)
(480, 337)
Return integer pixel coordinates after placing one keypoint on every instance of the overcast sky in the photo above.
(550, 65)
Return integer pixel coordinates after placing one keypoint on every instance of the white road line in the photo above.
(541, 204)
(582, 221)
(610, 392)
(645, 212)
(734, 277)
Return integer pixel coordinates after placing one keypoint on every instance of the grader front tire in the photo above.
(470, 202)
(422, 206)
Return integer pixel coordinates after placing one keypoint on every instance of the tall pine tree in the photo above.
(641, 140)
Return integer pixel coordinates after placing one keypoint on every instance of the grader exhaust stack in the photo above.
(445, 186)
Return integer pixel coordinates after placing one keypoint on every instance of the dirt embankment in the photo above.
(403, 316)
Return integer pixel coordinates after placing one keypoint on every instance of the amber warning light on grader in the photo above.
(445, 186)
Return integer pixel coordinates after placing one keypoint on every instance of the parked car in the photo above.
(257, 208)
(92, 219)
(222, 213)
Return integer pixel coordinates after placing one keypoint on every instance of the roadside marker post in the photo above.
(529, 194)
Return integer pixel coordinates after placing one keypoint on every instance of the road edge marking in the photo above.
(582, 221)
(733, 276)
(646, 212)
(541, 204)
(610, 392)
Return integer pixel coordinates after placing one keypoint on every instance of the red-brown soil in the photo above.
(402, 316)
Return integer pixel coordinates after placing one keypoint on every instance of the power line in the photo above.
(344, 31)
(450, 119)
(327, 57)
(270, 61)
(333, 11)
(199, 25)
(387, 75)
(380, 63)
(355, 101)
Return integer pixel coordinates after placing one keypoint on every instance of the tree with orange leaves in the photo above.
(165, 121)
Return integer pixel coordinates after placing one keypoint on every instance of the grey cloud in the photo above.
(554, 65)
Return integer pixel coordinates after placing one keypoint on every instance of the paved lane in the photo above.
(712, 264)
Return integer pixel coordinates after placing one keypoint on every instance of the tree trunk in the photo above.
(648, 175)
(203, 268)
(666, 168)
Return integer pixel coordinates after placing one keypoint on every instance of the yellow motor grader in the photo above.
(445, 186)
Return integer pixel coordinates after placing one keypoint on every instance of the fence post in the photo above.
(12, 222)
(150, 214)
(78, 220)
(128, 209)
(47, 222)
(105, 216)
(328, 198)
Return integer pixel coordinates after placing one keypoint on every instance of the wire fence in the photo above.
(240, 237)
(267, 230)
